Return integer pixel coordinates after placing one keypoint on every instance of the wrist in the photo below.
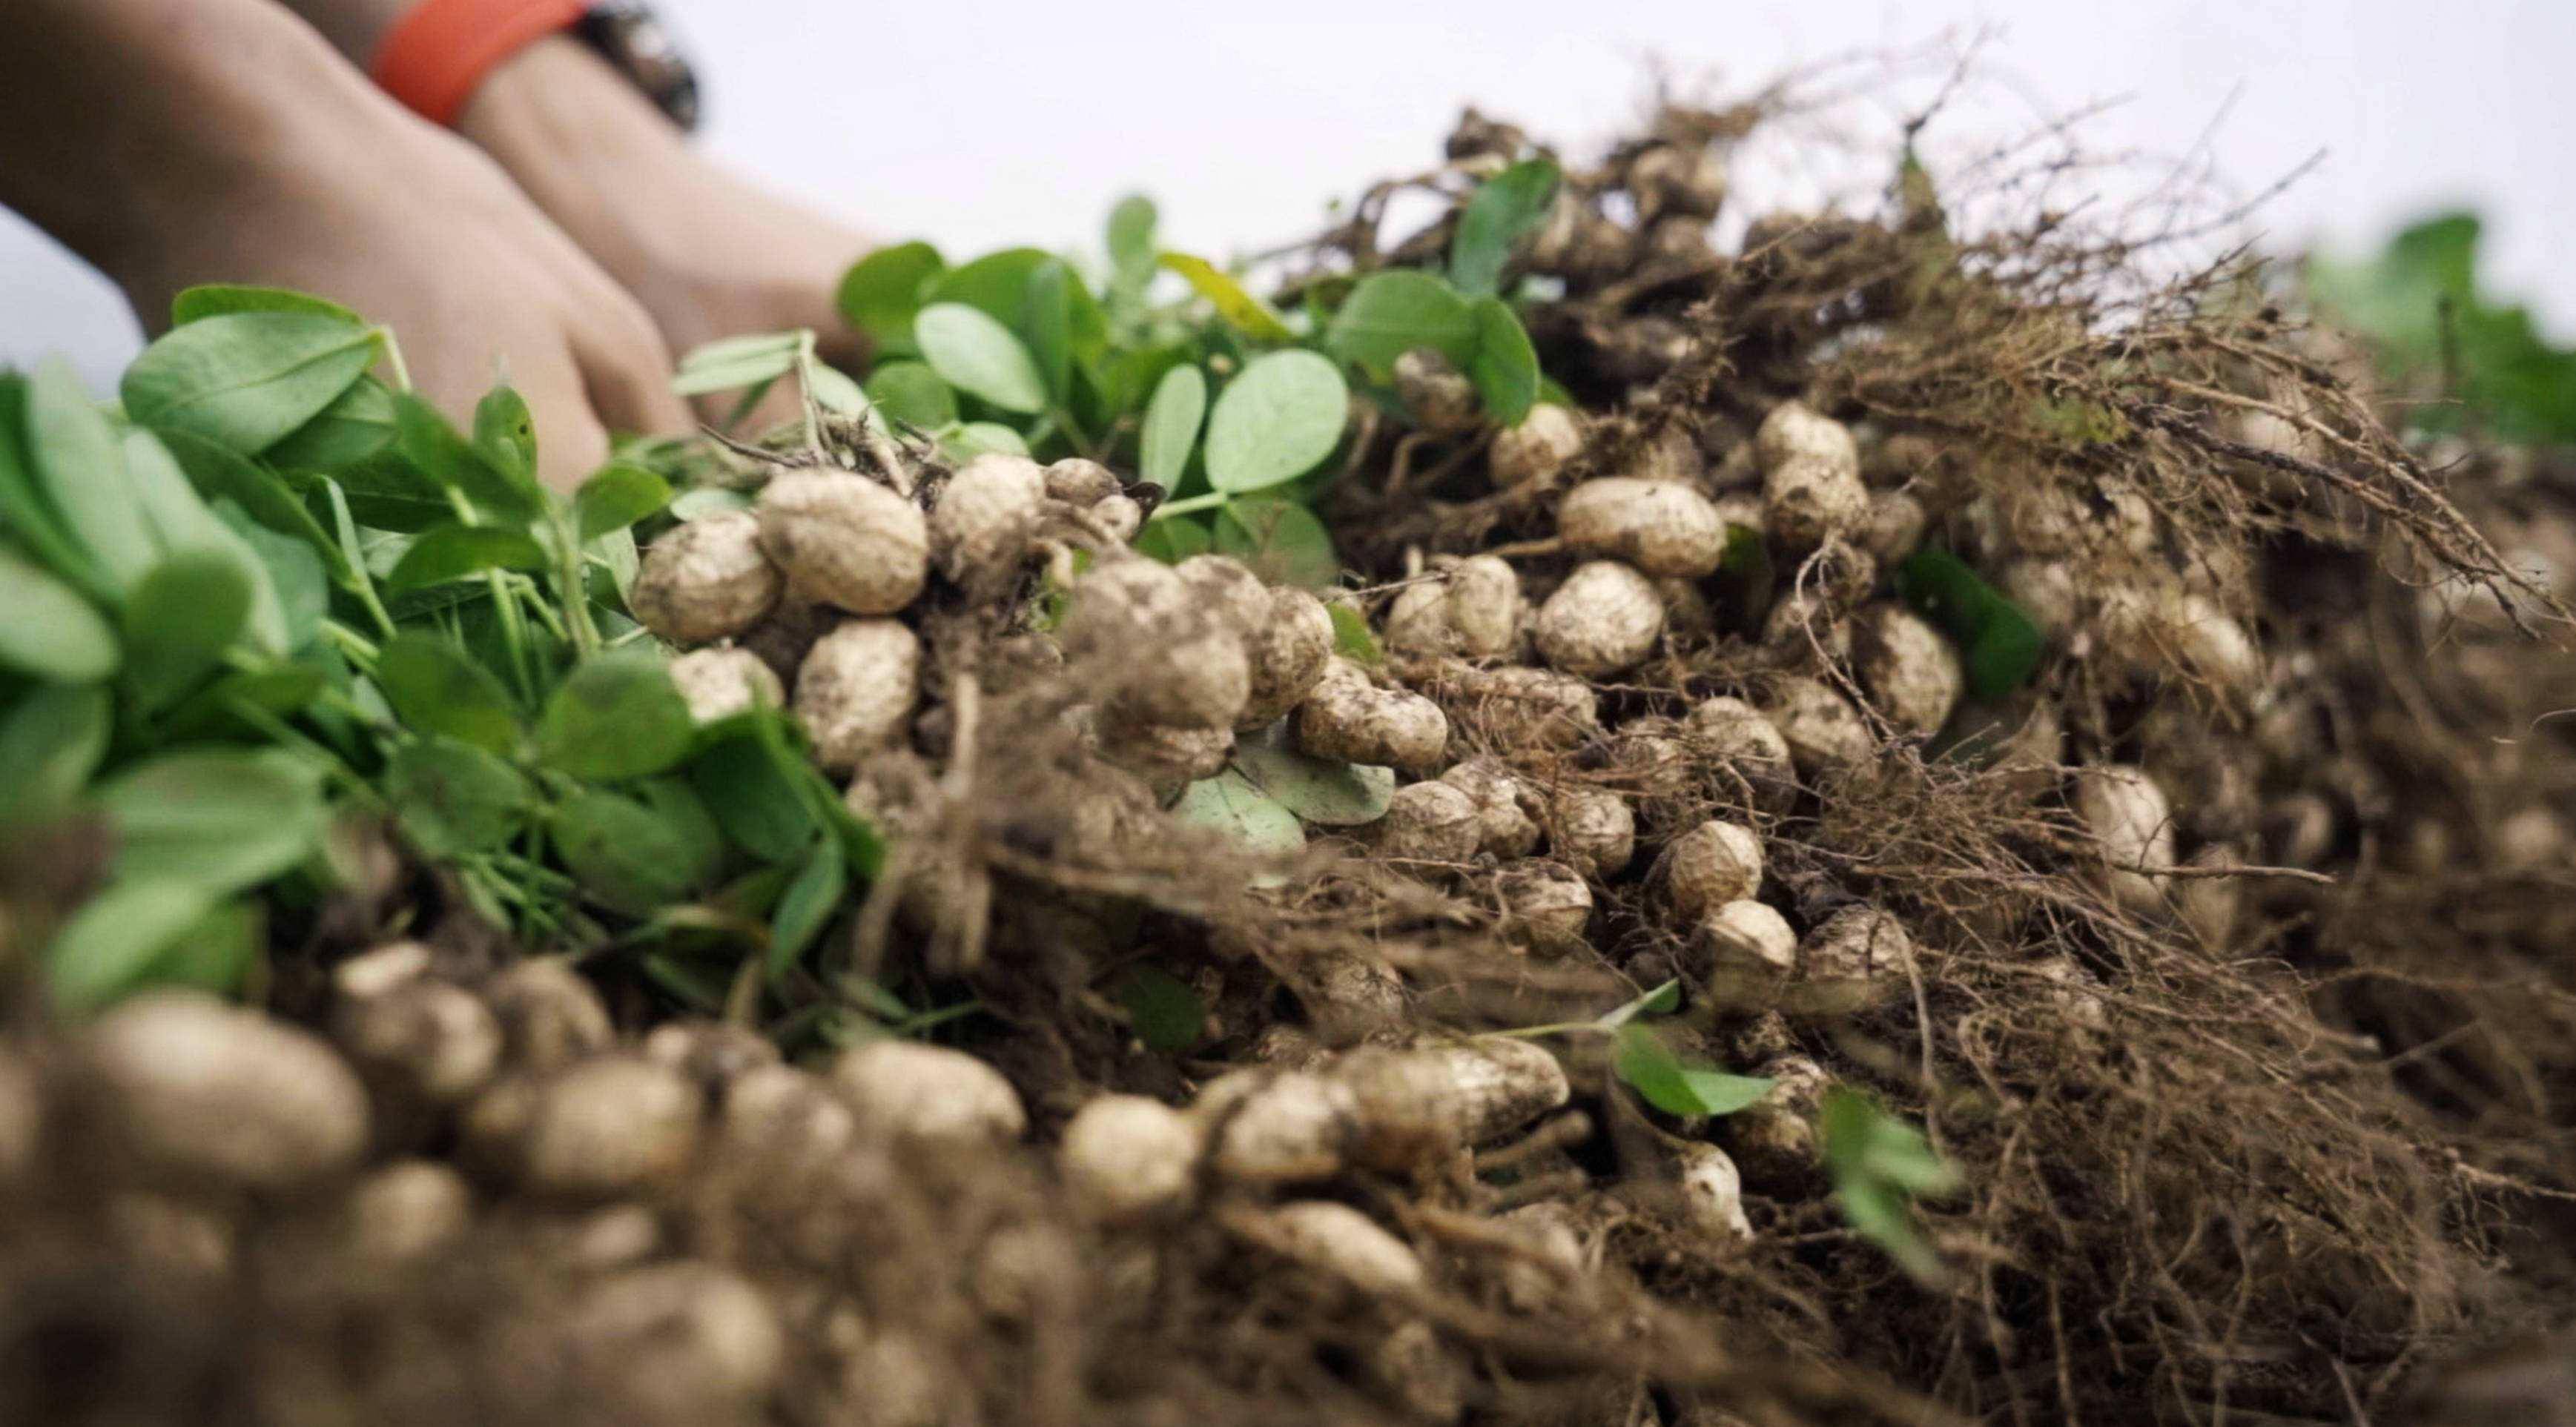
(574, 134)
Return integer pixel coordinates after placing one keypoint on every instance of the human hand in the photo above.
(708, 255)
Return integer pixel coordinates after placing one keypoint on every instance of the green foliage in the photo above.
(1644, 1061)
(1880, 1165)
(1506, 207)
(1234, 805)
(1318, 790)
(1998, 642)
(1167, 1015)
(2420, 304)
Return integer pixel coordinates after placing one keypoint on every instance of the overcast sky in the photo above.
(984, 125)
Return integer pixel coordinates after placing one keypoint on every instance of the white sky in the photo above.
(984, 125)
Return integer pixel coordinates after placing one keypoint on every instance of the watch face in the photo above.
(636, 41)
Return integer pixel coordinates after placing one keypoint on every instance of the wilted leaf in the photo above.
(1252, 316)
(1318, 790)
(1230, 803)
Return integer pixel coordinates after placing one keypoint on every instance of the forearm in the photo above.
(119, 118)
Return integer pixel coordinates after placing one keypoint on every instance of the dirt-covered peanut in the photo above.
(1549, 905)
(1472, 609)
(1742, 737)
(2210, 644)
(1710, 865)
(711, 1053)
(1712, 1191)
(1517, 708)
(1165, 757)
(550, 1016)
(679, 1342)
(1807, 627)
(706, 579)
(1669, 456)
(2046, 591)
(1537, 448)
(1811, 486)
(197, 1090)
(1685, 180)
(1909, 669)
(1661, 527)
(1506, 805)
(1228, 590)
(1127, 1159)
(2209, 907)
(2132, 821)
(1349, 718)
(1276, 1127)
(1413, 1107)
(845, 541)
(1341, 1242)
(1854, 960)
(1679, 240)
(1287, 654)
(1689, 615)
(1437, 395)
(856, 691)
(986, 519)
(405, 1210)
(718, 683)
(1592, 830)
(1774, 1138)
(2075, 992)
(1603, 620)
(1080, 481)
(1120, 517)
(927, 1094)
(425, 1042)
(1824, 732)
(610, 1125)
(1750, 950)
(1428, 822)
(1148, 636)
(1894, 529)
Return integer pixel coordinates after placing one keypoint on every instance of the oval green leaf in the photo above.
(983, 438)
(1505, 367)
(51, 741)
(1282, 541)
(1276, 421)
(1393, 312)
(1172, 421)
(436, 687)
(912, 393)
(179, 621)
(882, 292)
(1653, 1071)
(1506, 206)
(979, 356)
(219, 819)
(452, 552)
(247, 379)
(455, 799)
(639, 854)
(51, 632)
(617, 716)
(616, 498)
(1231, 804)
(81, 465)
(1318, 790)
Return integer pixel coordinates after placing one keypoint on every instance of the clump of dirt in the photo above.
(1934, 653)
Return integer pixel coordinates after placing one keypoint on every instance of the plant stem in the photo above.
(1210, 501)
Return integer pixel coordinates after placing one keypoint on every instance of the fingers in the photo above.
(572, 441)
(626, 368)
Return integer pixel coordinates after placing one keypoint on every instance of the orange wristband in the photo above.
(437, 55)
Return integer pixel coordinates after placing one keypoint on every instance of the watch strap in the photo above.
(440, 51)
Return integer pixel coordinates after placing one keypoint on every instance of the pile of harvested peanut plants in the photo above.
(1548, 824)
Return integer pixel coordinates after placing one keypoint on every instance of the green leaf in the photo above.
(2000, 645)
(505, 431)
(1248, 314)
(1231, 804)
(182, 521)
(1661, 1001)
(220, 819)
(51, 632)
(1282, 541)
(436, 687)
(1047, 318)
(1505, 367)
(1318, 790)
(833, 390)
(455, 799)
(388, 492)
(1277, 420)
(1878, 1164)
(1393, 312)
(617, 716)
(617, 497)
(912, 393)
(1352, 637)
(1651, 1069)
(983, 438)
(452, 552)
(882, 293)
(25, 511)
(1164, 1011)
(979, 356)
(51, 741)
(808, 906)
(80, 465)
(738, 362)
(179, 621)
(1505, 207)
(111, 944)
(754, 788)
(247, 379)
(1172, 426)
(1131, 235)
(217, 951)
(1174, 540)
(427, 440)
(222, 299)
(639, 853)
(221, 473)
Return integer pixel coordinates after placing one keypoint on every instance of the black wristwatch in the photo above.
(639, 46)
